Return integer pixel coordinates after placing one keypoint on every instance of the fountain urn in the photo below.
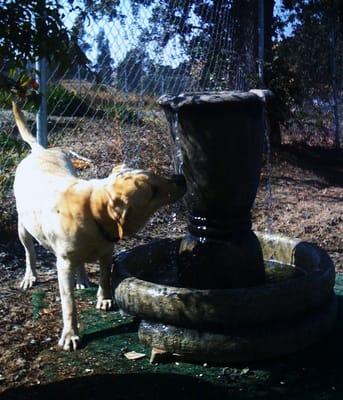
(220, 136)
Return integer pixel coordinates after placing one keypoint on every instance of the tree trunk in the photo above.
(334, 84)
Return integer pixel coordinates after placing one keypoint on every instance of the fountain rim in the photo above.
(289, 297)
(310, 246)
(210, 97)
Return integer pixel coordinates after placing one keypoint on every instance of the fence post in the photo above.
(41, 68)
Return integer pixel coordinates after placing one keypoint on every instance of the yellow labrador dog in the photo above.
(79, 220)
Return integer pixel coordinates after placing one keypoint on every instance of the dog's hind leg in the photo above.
(30, 277)
(82, 280)
(104, 295)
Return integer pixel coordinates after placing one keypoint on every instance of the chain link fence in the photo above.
(108, 113)
(144, 52)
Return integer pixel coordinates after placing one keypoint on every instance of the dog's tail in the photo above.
(23, 128)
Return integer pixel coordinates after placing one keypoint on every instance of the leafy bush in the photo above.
(5, 99)
(61, 102)
(11, 153)
(123, 112)
(96, 87)
(65, 103)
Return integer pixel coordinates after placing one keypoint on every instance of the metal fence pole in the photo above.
(41, 67)
(42, 115)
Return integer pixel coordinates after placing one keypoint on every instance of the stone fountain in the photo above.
(223, 293)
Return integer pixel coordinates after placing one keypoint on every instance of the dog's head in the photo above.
(134, 196)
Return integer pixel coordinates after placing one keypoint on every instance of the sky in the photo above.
(125, 36)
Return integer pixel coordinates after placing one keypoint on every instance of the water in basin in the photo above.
(158, 263)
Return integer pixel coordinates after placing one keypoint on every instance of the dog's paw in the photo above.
(82, 282)
(82, 285)
(69, 341)
(28, 281)
(104, 304)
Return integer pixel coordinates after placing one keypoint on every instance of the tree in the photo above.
(31, 29)
(131, 70)
(78, 36)
(308, 63)
(104, 61)
(219, 37)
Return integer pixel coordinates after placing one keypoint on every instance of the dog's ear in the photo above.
(117, 210)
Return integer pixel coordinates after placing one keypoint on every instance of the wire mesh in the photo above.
(150, 50)
(108, 113)
(145, 52)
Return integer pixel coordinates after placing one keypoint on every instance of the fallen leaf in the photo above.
(133, 355)
(80, 164)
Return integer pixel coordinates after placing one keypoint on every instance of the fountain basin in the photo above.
(292, 309)
(238, 344)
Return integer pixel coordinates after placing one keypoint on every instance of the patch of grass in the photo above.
(85, 294)
(38, 303)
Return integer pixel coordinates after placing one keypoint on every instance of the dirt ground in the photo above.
(306, 202)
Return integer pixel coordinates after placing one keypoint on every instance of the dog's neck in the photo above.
(107, 227)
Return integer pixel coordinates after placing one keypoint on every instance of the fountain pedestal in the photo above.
(221, 139)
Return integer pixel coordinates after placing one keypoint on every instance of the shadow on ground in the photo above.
(125, 386)
(104, 333)
(326, 163)
(313, 374)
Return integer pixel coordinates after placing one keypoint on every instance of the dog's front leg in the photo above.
(70, 339)
(104, 295)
